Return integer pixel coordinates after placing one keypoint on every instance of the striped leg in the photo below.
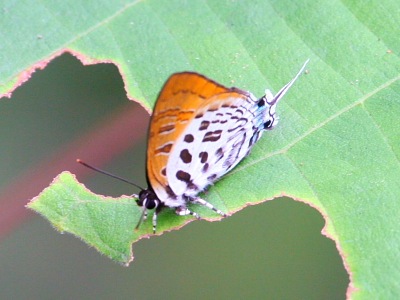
(155, 221)
(184, 211)
(209, 205)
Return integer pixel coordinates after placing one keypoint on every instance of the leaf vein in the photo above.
(318, 126)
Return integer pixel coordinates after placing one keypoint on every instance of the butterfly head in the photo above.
(148, 199)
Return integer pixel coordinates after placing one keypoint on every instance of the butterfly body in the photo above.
(199, 131)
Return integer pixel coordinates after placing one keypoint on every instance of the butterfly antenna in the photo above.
(283, 90)
(142, 217)
(108, 174)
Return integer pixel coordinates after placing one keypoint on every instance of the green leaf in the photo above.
(337, 145)
(108, 224)
(103, 222)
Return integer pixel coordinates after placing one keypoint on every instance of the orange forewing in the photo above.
(183, 96)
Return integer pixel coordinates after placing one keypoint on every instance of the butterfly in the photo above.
(199, 131)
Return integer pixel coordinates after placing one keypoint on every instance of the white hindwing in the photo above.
(221, 139)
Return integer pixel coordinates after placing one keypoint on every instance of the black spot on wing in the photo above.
(185, 156)
(204, 125)
(212, 177)
(219, 154)
(170, 192)
(188, 138)
(203, 157)
(212, 136)
(261, 102)
(185, 177)
(267, 125)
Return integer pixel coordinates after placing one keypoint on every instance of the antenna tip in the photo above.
(78, 160)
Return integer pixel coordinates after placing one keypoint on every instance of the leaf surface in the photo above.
(337, 146)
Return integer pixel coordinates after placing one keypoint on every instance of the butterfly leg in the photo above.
(156, 212)
(184, 211)
(155, 221)
(208, 205)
